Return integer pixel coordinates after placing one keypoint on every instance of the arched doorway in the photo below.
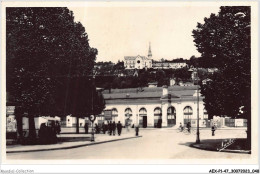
(128, 115)
(187, 111)
(158, 117)
(171, 116)
(143, 118)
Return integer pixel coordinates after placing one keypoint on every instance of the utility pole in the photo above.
(93, 117)
(198, 131)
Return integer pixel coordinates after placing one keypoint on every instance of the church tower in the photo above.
(149, 51)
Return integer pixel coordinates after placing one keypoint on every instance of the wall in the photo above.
(179, 106)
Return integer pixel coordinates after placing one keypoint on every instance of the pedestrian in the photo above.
(110, 127)
(43, 134)
(97, 128)
(114, 128)
(53, 133)
(137, 131)
(181, 127)
(86, 128)
(103, 128)
(188, 126)
(106, 127)
(119, 128)
(58, 129)
(213, 130)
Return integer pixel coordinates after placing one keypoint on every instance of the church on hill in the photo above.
(139, 62)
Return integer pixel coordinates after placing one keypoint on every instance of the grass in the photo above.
(215, 144)
(239, 144)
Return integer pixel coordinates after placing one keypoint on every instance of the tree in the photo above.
(202, 62)
(82, 99)
(225, 39)
(45, 50)
(182, 73)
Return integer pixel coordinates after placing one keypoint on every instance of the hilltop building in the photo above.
(164, 64)
(139, 62)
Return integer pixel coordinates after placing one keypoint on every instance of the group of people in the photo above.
(48, 133)
(188, 126)
(110, 127)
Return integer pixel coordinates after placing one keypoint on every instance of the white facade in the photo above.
(137, 62)
(140, 62)
(149, 109)
(177, 65)
(169, 65)
(179, 107)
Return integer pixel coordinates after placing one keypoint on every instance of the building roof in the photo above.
(156, 92)
(134, 57)
(130, 57)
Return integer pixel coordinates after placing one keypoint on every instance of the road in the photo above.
(154, 144)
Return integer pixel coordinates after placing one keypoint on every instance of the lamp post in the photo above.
(92, 133)
(92, 119)
(198, 132)
(137, 122)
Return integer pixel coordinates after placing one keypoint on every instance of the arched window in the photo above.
(171, 116)
(128, 112)
(187, 111)
(157, 111)
(142, 112)
(158, 117)
(114, 112)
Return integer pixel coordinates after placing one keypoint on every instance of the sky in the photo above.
(126, 31)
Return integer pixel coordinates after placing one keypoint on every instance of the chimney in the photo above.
(165, 90)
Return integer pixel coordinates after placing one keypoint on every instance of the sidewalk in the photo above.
(68, 141)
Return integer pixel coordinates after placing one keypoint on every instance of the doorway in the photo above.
(144, 121)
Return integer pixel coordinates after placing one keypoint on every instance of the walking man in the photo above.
(188, 126)
(119, 128)
(114, 128)
(110, 127)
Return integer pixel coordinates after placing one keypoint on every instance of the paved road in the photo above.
(155, 144)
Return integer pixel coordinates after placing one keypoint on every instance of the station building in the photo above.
(155, 106)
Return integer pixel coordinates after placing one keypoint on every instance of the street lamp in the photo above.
(137, 122)
(92, 119)
(198, 132)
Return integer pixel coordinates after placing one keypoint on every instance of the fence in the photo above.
(229, 122)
